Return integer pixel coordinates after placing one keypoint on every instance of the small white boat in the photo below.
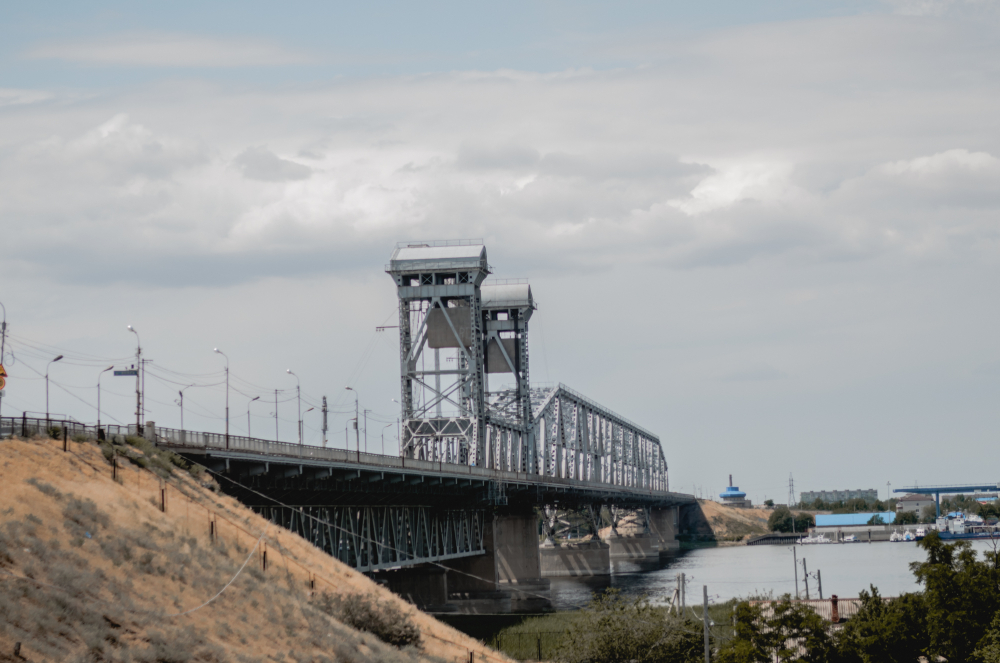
(850, 538)
(909, 536)
(895, 537)
(817, 538)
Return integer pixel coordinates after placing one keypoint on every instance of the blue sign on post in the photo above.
(131, 371)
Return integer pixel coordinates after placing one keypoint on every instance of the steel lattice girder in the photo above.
(578, 439)
(370, 538)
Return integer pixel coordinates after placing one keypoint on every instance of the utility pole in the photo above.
(325, 427)
(275, 415)
(795, 563)
(683, 586)
(819, 581)
(708, 650)
(805, 576)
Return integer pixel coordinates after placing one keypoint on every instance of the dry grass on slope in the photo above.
(732, 524)
(92, 570)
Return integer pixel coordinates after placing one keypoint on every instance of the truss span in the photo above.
(370, 538)
(575, 438)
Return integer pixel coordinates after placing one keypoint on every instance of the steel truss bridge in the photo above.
(470, 453)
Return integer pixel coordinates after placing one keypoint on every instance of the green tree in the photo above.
(960, 593)
(906, 518)
(777, 631)
(876, 520)
(769, 504)
(781, 520)
(928, 514)
(613, 629)
(885, 632)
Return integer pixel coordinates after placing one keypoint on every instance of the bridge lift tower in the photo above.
(453, 332)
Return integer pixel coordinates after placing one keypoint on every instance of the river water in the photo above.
(740, 571)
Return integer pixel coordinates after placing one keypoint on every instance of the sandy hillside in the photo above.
(92, 570)
(711, 520)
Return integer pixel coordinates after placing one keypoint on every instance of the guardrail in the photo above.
(284, 451)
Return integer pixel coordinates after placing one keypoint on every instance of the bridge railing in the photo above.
(283, 451)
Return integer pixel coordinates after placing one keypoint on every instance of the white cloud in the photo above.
(734, 182)
(16, 97)
(169, 50)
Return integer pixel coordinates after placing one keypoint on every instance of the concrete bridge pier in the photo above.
(506, 579)
(664, 525)
(588, 558)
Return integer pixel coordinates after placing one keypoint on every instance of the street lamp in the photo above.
(399, 431)
(304, 420)
(99, 399)
(181, 402)
(47, 388)
(357, 435)
(383, 436)
(138, 383)
(298, 393)
(255, 398)
(218, 351)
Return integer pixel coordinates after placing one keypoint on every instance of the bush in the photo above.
(45, 488)
(613, 628)
(885, 632)
(781, 520)
(365, 612)
(775, 631)
(84, 516)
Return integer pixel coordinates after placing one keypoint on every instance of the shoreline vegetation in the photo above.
(954, 618)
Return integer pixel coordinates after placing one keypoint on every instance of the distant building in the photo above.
(733, 496)
(810, 496)
(849, 519)
(913, 503)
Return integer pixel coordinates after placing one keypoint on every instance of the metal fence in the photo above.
(538, 646)
(25, 426)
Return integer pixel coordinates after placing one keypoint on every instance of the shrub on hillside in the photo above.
(365, 612)
(614, 628)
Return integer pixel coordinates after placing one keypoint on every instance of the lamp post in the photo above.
(99, 399)
(383, 436)
(138, 383)
(218, 351)
(304, 420)
(255, 398)
(357, 435)
(298, 393)
(181, 402)
(47, 388)
(3, 331)
(399, 431)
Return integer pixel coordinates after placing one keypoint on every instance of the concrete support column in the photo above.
(663, 525)
(508, 577)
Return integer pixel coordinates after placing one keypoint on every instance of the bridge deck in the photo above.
(255, 457)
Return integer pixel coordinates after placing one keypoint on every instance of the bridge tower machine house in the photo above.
(456, 331)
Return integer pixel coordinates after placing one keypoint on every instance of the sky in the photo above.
(767, 232)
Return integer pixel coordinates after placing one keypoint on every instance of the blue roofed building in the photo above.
(733, 496)
(852, 519)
